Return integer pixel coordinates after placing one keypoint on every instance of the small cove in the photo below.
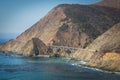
(15, 67)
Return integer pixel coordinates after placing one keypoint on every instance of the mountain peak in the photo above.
(68, 25)
(110, 3)
(65, 5)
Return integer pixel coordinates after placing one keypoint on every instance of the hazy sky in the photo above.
(18, 15)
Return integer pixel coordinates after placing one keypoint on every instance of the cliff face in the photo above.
(108, 46)
(32, 47)
(74, 19)
(84, 23)
(35, 46)
(72, 25)
(109, 41)
(110, 3)
(12, 45)
(77, 26)
(105, 50)
(66, 25)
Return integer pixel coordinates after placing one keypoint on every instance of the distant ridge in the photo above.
(110, 3)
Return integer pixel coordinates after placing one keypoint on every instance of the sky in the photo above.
(18, 15)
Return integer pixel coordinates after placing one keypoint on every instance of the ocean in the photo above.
(16, 67)
(3, 41)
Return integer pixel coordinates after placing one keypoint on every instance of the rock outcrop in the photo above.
(32, 47)
(103, 52)
(12, 45)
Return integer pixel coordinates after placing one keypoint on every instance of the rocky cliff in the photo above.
(72, 25)
(77, 26)
(32, 47)
(67, 25)
(35, 46)
(103, 52)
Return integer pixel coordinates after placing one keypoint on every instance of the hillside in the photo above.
(107, 50)
(109, 41)
(110, 3)
(67, 25)
(70, 19)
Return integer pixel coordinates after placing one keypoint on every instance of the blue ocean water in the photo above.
(15, 67)
(3, 40)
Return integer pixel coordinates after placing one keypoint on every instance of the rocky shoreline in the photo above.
(92, 33)
(86, 65)
(77, 62)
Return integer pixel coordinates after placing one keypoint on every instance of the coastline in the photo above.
(47, 56)
(77, 62)
(86, 65)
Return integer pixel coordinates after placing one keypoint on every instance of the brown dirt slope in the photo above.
(68, 25)
(110, 3)
(106, 52)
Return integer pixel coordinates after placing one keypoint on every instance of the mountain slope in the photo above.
(109, 41)
(106, 54)
(110, 3)
(74, 19)
(67, 25)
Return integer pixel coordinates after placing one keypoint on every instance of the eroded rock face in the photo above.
(109, 41)
(34, 47)
(12, 45)
(109, 61)
(68, 35)
(83, 24)
(106, 50)
(39, 47)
